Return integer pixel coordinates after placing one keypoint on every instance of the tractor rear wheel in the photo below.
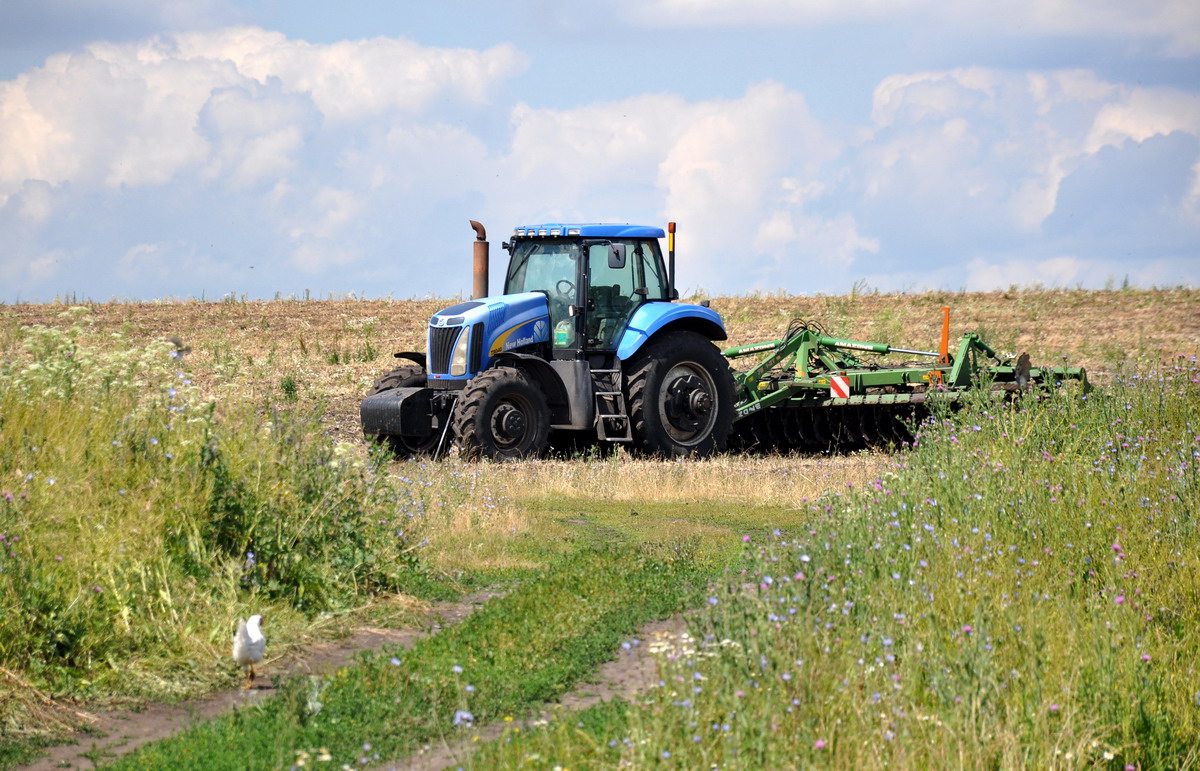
(501, 415)
(680, 396)
(404, 446)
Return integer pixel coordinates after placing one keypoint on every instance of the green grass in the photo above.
(1025, 594)
(514, 654)
(139, 520)
(1022, 591)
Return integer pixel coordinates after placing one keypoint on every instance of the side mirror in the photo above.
(616, 256)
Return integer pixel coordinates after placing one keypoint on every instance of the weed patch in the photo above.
(1023, 594)
(138, 520)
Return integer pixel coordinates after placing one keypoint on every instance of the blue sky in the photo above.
(194, 148)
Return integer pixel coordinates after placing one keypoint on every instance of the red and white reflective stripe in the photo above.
(840, 386)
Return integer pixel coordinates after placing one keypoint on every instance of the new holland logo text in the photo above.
(517, 342)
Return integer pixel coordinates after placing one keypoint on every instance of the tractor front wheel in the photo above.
(405, 446)
(501, 415)
(680, 396)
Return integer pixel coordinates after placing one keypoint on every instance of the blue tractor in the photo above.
(586, 345)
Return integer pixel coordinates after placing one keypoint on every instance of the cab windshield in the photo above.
(542, 266)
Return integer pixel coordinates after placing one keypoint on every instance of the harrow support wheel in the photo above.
(404, 446)
(501, 415)
(680, 396)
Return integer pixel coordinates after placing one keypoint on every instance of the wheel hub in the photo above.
(688, 403)
(508, 423)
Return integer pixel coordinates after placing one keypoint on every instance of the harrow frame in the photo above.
(811, 391)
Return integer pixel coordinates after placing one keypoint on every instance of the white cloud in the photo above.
(256, 133)
(142, 260)
(1143, 113)
(982, 276)
(767, 12)
(31, 270)
(739, 175)
(352, 79)
(129, 114)
(991, 145)
(203, 154)
(1173, 24)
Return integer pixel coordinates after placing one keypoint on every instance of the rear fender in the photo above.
(655, 317)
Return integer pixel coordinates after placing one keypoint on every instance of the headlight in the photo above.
(458, 359)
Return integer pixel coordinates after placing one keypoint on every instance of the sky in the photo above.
(154, 149)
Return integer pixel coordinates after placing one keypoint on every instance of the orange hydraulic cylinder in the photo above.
(945, 351)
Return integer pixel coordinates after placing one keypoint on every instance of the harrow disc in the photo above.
(823, 429)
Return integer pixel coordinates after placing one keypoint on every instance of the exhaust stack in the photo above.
(480, 288)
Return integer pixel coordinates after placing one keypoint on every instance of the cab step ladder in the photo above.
(612, 416)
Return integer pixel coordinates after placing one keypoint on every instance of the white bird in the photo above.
(249, 646)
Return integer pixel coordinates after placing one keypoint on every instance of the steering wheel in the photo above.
(567, 294)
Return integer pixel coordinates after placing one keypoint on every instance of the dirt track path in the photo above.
(633, 671)
(119, 732)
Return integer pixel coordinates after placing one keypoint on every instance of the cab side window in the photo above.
(613, 293)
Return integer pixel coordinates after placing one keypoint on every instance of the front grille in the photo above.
(476, 348)
(441, 345)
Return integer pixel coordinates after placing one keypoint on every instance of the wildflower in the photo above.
(745, 539)
(395, 661)
(1120, 600)
(456, 669)
(967, 629)
(462, 717)
(1054, 708)
(819, 744)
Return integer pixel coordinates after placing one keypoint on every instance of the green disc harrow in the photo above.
(815, 393)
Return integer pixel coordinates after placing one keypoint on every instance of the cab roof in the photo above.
(587, 230)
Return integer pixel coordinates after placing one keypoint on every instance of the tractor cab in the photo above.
(595, 277)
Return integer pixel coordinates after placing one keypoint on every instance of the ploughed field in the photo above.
(1020, 590)
(330, 352)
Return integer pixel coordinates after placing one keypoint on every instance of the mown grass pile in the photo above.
(1026, 593)
(139, 520)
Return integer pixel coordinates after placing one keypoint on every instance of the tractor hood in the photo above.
(464, 338)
